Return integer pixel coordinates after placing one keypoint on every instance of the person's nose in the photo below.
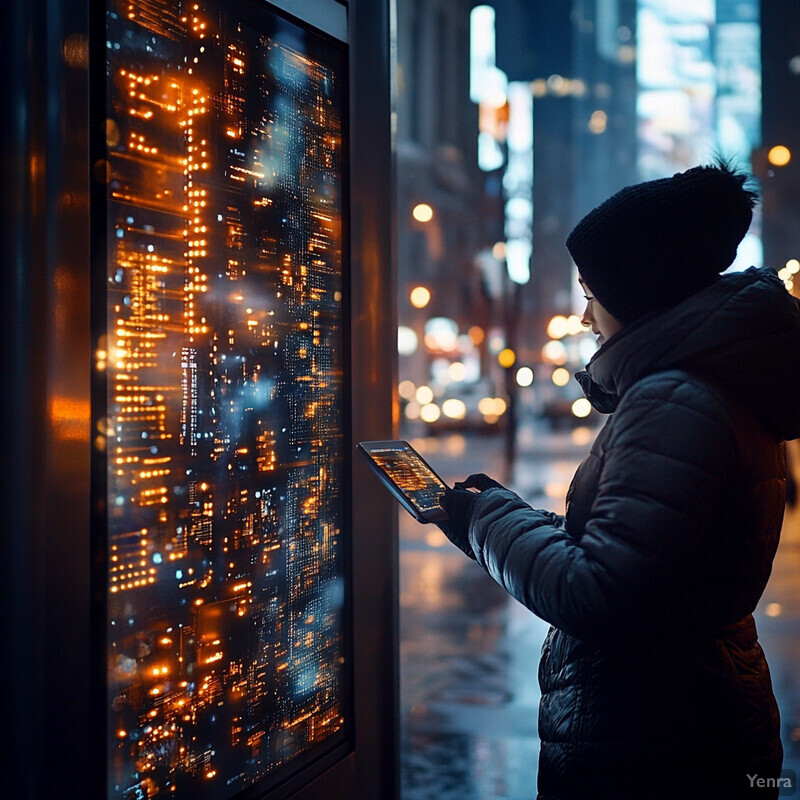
(587, 318)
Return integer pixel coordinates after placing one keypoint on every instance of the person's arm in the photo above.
(459, 503)
(645, 542)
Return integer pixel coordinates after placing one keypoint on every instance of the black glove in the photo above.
(478, 481)
(458, 504)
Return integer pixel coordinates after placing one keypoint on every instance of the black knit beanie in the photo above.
(654, 244)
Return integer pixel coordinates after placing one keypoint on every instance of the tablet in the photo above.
(408, 477)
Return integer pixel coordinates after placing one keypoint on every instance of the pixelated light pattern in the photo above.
(226, 642)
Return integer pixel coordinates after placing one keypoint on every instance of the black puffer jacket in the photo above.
(653, 681)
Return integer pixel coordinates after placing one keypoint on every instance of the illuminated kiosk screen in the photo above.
(226, 581)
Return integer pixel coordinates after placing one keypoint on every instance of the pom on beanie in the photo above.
(654, 244)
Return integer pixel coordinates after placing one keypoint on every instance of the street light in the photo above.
(420, 296)
(422, 212)
(506, 358)
(524, 376)
(560, 376)
(779, 155)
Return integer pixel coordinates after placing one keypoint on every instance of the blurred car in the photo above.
(472, 406)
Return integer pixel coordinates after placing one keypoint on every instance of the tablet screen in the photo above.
(411, 478)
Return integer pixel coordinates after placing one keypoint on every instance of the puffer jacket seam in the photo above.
(662, 386)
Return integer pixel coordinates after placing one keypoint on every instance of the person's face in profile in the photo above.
(603, 325)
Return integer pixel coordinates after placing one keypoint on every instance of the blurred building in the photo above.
(615, 92)
(447, 212)
(575, 61)
(777, 162)
(579, 59)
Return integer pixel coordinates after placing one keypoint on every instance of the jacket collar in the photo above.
(742, 332)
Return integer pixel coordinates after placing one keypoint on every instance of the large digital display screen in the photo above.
(226, 623)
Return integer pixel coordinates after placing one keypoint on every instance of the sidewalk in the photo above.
(469, 654)
(778, 622)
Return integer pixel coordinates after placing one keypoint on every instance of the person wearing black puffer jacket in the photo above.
(653, 682)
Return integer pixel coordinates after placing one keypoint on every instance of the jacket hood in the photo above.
(741, 333)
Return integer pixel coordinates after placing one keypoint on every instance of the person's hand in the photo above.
(458, 504)
(478, 481)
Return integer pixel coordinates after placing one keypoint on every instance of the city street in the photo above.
(469, 654)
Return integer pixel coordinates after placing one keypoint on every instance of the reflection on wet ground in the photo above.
(469, 655)
(778, 620)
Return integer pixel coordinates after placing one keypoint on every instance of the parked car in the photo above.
(473, 406)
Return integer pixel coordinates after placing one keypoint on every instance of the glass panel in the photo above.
(226, 637)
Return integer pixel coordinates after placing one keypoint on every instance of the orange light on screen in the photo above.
(70, 418)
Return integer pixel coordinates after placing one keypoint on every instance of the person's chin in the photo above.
(601, 340)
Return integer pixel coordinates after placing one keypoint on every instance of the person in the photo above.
(653, 682)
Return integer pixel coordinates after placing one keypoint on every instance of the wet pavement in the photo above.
(469, 654)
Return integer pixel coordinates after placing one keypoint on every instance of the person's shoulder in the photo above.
(675, 412)
(676, 391)
(677, 385)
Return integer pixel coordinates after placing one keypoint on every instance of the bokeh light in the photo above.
(558, 327)
(422, 212)
(457, 371)
(561, 326)
(773, 609)
(476, 334)
(420, 296)
(554, 353)
(581, 408)
(524, 376)
(454, 408)
(406, 341)
(779, 155)
(492, 406)
(424, 395)
(499, 250)
(506, 358)
(441, 334)
(413, 410)
(406, 389)
(430, 412)
(496, 343)
(560, 376)
(787, 273)
(598, 122)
